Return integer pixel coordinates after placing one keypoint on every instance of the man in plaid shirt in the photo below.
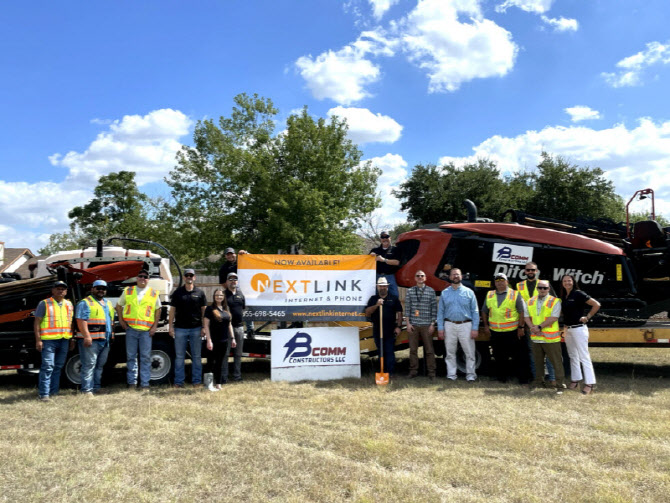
(421, 309)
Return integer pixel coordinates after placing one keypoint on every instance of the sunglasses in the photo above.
(531, 270)
(420, 276)
(142, 276)
(101, 288)
(189, 275)
(543, 288)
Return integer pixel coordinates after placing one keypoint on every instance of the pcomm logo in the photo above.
(299, 350)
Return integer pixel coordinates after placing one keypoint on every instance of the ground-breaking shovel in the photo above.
(381, 377)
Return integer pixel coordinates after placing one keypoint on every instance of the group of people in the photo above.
(190, 319)
(523, 324)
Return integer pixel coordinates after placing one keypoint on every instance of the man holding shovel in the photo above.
(385, 311)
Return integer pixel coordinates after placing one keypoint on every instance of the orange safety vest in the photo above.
(550, 333)
(503, 318)
(140, 315)
(97, 322)
(57, 321)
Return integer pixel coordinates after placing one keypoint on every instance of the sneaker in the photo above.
(452, 378)
(144, 389)
(237, 379)
(131, 385)
(180, 386)
(88, 394)
(559, 391)
(44, 398)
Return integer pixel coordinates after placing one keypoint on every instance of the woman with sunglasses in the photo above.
(219, 333)
(575, 302)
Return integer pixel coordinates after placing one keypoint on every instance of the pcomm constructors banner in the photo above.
(306, 287)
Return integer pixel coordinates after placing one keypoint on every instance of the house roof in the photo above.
(14, 254)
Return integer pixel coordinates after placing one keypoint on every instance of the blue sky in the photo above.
(89, 88)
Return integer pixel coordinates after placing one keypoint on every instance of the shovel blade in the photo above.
(382, 378)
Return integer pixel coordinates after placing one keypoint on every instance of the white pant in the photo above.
(577, 344)
(453, 334)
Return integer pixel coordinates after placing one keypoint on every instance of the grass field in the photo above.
(347, 440)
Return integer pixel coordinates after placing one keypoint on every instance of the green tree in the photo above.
(117, 208)
(244, 185)
(567, 192)
(69, 240)
(434, 194)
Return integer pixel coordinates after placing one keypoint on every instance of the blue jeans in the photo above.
(393, 284)
(54, 353)
(93, 359)
(190, 336)
(388, 351)
(138, 339)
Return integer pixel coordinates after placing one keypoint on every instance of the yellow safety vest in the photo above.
(140, 315)
(550, 333)
(97, 322)
(57, 321)
(503, 318)
(523, 290)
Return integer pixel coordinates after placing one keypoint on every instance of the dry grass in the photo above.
(347, 440)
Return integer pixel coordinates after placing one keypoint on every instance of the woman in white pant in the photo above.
(574, 302)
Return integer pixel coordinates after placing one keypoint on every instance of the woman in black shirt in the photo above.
(219, 333)
(574, 303)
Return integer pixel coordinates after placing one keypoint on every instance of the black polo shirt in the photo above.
(188, 307)
(392, 306)
(574, 306)
(225, 269)
(237, 305)
(391, 253)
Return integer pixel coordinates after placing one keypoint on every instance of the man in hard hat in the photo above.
(95, 324)
(53, 338)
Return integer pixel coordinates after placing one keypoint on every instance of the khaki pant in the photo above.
(552, 350)
(428, 351)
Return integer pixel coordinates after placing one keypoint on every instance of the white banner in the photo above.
(512, 254)
(306, 287)
(315, 354)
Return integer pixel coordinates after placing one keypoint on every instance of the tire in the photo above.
(72, 371)
(162, 361)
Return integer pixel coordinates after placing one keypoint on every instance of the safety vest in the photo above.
(57, 321)
(523, 290)
(550, 333)
(503, 318)
(140, 315)
(97, 322)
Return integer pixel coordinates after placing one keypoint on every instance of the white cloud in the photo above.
(534, 6)
(343, 75)
(368, 127)
(632, 158)
(561, 24)
(454, 44)
(394, 171)
(631, 68)
(581, 113)
(379, 7)
(144, 144)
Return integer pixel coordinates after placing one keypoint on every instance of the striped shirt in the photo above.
(422, 301)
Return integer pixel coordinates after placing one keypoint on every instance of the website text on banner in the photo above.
(306, 287)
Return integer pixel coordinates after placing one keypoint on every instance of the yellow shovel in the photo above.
(381, 377)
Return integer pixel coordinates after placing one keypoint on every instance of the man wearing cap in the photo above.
(185, 325)
(421, 309)
(236, 305)
(230, 265)
(503, 318)
(53, 338)
(388, 260)
(458, 316)
(391, 320)
(542, 315)
(95, 323)
(139, 309)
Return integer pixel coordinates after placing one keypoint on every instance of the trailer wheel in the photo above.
(162, 362)
(72, 370)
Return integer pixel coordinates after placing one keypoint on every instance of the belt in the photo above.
(575, 326)
(457, 322)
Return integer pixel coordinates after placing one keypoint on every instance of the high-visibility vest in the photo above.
(522, 288)
(503, 318)
(140, 315)
(97, 322)
(57, 321)
(550, 333)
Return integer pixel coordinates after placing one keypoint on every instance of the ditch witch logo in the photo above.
(299, 350)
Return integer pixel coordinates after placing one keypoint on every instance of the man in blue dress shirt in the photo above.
(458, 315)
